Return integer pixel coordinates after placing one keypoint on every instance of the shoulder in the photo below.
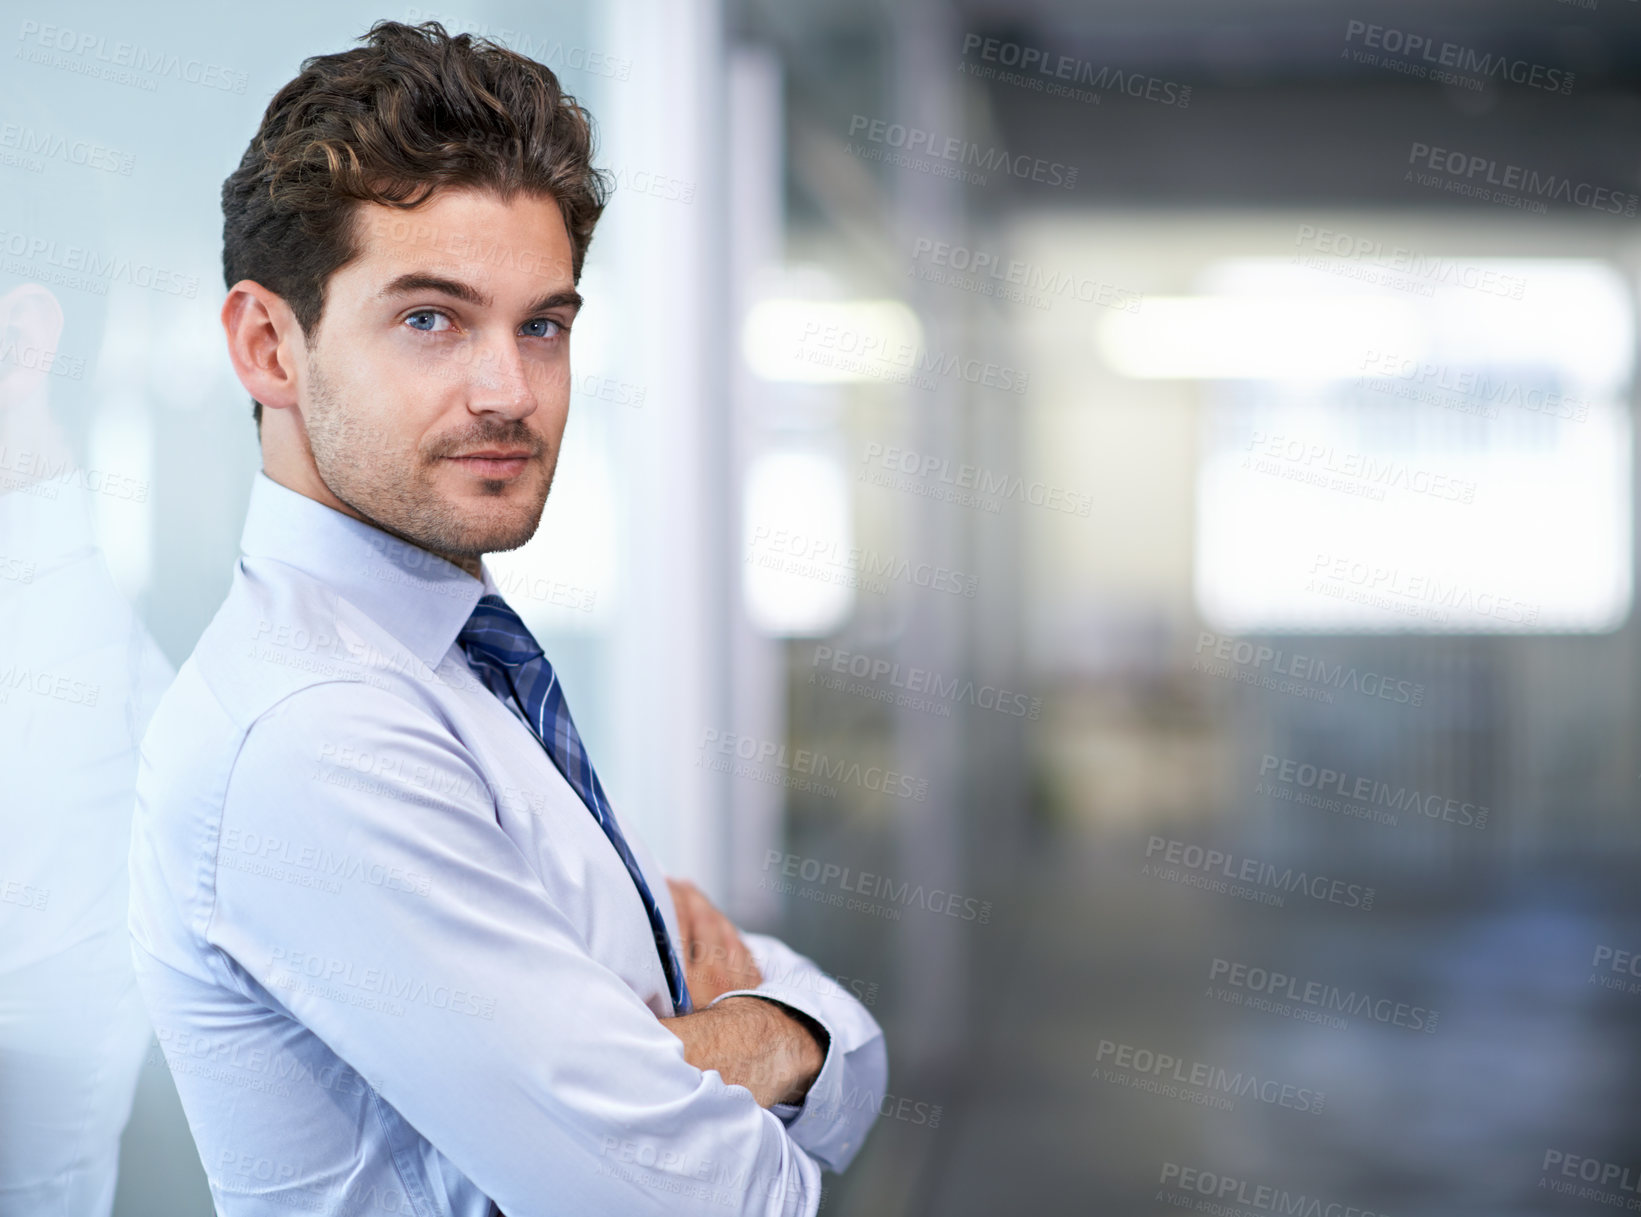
(352, 744)
(262, 646)
(290, 676)
(281, 630)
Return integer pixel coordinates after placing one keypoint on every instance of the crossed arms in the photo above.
(774, 1051)
(532, 1058)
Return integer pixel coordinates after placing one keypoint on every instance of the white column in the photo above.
(663, 239)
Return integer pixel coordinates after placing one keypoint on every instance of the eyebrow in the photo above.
(420, 281)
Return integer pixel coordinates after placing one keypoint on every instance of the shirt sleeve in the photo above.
(837, 1112)
(437, 966)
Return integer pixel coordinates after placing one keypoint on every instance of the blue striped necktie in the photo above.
(501, 648)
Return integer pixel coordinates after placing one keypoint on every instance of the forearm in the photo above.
(827, 1106)
(842, 1103)
(774, 1052)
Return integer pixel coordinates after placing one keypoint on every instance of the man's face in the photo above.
(436, 390)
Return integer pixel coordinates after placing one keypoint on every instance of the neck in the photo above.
(303, 478)
(470, 565)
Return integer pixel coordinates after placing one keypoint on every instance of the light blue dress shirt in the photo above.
(394, 963)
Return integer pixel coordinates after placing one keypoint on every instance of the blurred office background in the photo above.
(1109, 524)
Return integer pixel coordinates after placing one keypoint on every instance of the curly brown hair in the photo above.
(413, 110)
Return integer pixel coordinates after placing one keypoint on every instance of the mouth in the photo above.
(497, 464)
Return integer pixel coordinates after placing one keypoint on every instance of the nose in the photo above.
(501, 381)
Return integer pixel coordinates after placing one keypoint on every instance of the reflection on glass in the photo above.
(79, 677)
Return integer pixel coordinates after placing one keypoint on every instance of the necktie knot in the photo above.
(495, 631)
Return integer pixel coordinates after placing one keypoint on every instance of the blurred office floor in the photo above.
(1106, 966)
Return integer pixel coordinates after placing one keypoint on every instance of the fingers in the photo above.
(715, 958)
(683, 905)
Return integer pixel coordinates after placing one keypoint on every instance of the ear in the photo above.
(265, 343)
(31, 325)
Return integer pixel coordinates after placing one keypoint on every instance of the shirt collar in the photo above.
(418, 597)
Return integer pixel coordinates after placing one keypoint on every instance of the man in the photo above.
(402, 953)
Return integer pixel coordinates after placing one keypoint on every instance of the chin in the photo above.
(488, 532)
(478, 517)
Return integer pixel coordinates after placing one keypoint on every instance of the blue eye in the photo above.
(556, 330)
(414, 319)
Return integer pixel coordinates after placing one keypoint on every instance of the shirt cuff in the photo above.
(826, 1092)
(837, 1112)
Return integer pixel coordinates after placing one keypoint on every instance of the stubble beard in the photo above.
(396, 490)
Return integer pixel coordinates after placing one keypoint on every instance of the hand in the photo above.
(716, 961)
